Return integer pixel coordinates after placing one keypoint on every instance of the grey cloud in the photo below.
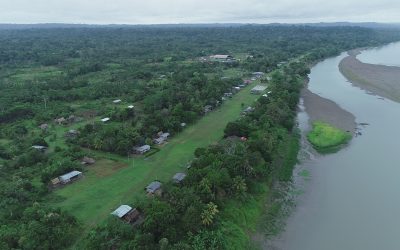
(187, 11)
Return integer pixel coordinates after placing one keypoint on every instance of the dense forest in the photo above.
(78, 73)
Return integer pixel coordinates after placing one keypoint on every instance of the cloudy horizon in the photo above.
(191, 11)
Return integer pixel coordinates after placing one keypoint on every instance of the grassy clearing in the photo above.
(93, 198)
(31, 74)
(325, 137)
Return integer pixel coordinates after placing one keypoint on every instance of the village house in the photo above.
(228, 94)
(39, 147)
(105, 119)
(247, 110)
(127, 214)
(87, 161)
(117, 101)
(179, 177)
(44, 126)
(70, 177)
(183, 124)
(142, 149)
(258, 74)
(154, 188)
(258, 89)
(72, 133)
(131, 107)
(162, 137)
(221, 57)
(207, 109)
(65, 179)
(60, 121)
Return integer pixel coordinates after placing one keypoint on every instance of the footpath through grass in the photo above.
(92, 198)
(325, 137)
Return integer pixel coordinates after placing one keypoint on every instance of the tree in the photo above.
(208, 214)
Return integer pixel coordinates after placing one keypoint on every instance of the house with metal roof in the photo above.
(248, 110)
(87, 161)
(39, 147)
(142, 149)
(117, 101)
(127, 213)
(154, 188)
(179, 177)
(106, 119)
(162, 137)
(70, 177)
(258, 89)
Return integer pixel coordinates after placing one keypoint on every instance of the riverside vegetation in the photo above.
(50, 73)
(326, 138)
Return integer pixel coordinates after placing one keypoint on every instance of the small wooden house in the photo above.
(127, 214)
(142, 149)
(44, 126)
(179, 177)
(154, 188)
(87, 161)
(70, 177)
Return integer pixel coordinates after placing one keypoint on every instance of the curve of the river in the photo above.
(352, 200)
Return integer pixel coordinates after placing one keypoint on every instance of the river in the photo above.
(352, 199)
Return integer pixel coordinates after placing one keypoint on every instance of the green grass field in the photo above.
(325, 137)
(93, 198)
(31, 74)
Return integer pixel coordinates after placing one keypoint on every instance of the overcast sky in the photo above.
(197, 11)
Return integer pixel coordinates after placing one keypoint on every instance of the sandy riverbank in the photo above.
(321, 109)
(378, 79)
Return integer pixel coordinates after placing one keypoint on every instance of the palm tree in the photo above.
(208, 214)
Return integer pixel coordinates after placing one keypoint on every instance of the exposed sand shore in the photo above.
(321, 109)
(379, 79)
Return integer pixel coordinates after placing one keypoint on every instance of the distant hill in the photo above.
(365, 25)
(322, 24)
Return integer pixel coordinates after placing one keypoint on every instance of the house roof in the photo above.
(179, 177)
(248, 109)
(131, 106)
(39, 147)
(105, 119)
(142, 148)
(69, 175)
(159, 140)
(259, 88)
(117, 101)
(220, 56)
(121, 211)
(154, 186)
(88, 160)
